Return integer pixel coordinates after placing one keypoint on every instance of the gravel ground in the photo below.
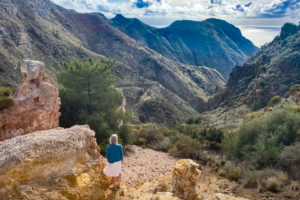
(142, 165)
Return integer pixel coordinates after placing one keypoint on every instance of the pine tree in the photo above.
(89, 97)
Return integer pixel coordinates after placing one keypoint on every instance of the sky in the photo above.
(252, 17)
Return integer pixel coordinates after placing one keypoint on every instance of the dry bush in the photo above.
(253, 115)
(160, 145)
(242, 111)
(294, 89)
(295, 185)
(148, 134)
(229, 171)
(273, 180)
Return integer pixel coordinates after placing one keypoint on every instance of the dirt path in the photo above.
(145, 165)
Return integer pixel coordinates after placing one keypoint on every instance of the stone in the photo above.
(53, 164)
(36, 104)
(182, 181)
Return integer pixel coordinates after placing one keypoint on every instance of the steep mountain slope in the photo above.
(213, 43)
(41, 30)
(269, 72)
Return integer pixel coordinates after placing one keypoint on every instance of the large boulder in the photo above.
(36, 104)
(182, 181)
(54, 164)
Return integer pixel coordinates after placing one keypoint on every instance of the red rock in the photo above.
(36, 104)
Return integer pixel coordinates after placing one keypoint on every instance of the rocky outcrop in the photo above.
(54, 164)
(36, 104)
(182, 181)
(268, 73)
(213, 43)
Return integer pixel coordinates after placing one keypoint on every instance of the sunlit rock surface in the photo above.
(53, 164)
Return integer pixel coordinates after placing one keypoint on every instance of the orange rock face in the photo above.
(36, 104)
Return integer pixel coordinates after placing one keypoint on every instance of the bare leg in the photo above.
(119, 180)
(114, 179)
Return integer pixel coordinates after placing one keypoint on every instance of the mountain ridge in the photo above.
(269, 72)
(191, 42)
(41, 30)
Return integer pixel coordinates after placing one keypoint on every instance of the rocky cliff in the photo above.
(36, 104)
(41, 30)
(53, 164)
(213, 43)
(268, 73)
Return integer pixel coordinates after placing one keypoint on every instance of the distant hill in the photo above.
(41, 30)
(213, 43)
(268, 73)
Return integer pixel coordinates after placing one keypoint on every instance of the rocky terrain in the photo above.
(36, 104)
(213, 43)
(268, 73)
(53, 164)
(41, 30)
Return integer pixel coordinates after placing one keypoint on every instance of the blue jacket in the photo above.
(114, 153)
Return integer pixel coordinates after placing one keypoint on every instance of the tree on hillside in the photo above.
(89, 97)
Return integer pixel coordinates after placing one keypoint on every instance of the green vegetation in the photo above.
(274, 101)
(6, 99)
(295, 108)
(184, 141)
(256, 105)
(288, 29)
(229, 171)
(262, 84)
(142, 118)
(1, 70)
(194, 120)
(89, 98)
(294, 89)
(261, 140)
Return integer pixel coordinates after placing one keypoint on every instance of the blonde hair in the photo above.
(113, 139)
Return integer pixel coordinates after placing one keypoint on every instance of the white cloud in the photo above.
(189, 9)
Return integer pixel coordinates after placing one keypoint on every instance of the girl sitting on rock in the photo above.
(114, 155)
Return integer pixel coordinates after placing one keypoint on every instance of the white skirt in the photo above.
(113, 169)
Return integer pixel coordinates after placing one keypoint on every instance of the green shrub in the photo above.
(294, 89)
(126, 135)
(142, 141)
(6, 92)
(148, 134)
(6, 97)
(290, 156)
(186, 147)
(161, 145)
(229, 171)
(234, 175)
(295, 108)
(190, 120)
(5, 102)
(261, 140)
(1, 70)
(142, 118)
(274, 101)
(256, 105)
(262, 84)
(197, 120)
(141, 93)
(160, 137)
